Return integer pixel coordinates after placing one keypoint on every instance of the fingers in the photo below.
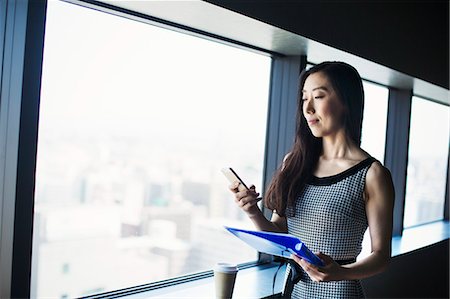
(331, 271)
(246, 197)
(305, 265)
(247, 200)
(234, 187)
(313, 272)
(240, 190)
(248, 206)
(296, 258)
(325, 258)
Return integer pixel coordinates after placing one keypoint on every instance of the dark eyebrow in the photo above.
(324, 88)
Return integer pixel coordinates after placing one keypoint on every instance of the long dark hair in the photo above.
(290, 178)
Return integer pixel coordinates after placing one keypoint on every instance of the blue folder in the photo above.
(278, 244)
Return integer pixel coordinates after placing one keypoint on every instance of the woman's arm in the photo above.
(379, 193)
(247, 200)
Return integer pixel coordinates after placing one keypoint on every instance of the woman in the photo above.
(329, 190)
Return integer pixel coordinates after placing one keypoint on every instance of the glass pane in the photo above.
(373, 135)
(136, 122)
(427, 162)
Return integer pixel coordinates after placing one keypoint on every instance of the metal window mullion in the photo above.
(27, 149)
(273, 119)
(10, 104)
(281, 117)
(396, 150)
(20, 90)
(295, 66)
(282, 112)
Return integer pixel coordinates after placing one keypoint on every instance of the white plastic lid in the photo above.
(226, 268)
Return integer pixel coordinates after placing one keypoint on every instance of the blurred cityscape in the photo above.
(425, 190)
(427, 162)
(135, 124)
(116, 214)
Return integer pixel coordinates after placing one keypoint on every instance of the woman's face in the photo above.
(321, 107)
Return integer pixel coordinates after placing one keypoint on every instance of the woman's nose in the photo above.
(308, 107)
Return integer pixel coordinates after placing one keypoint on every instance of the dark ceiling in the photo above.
(409, 36)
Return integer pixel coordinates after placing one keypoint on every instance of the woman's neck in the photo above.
(338, 146)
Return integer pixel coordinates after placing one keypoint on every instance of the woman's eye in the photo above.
(318, 97)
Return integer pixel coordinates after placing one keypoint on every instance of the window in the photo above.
(427, 162)
(373, 135)
(136, 122)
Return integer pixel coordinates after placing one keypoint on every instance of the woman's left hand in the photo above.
(330, 272)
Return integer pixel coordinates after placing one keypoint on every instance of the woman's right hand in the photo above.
(246, 199)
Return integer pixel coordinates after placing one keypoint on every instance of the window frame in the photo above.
(397, 144)
(445, 212)
(31, 69)
(21, 65)
(282, 110)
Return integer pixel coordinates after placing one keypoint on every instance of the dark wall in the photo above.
(420, 274)
(409, 36)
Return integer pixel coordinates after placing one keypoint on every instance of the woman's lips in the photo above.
(312, 121)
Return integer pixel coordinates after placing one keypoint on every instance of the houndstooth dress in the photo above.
(330, 217)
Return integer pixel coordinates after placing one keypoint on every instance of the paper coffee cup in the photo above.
(224, 278)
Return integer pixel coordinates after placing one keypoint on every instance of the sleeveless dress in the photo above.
(330, 217)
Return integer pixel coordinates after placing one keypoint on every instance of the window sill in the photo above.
(421, 236)
(414, 238)
(256, 282)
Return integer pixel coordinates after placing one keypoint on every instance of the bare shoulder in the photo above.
(378, 172)
(379, 181)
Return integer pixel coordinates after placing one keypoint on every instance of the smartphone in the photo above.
(232, 177)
